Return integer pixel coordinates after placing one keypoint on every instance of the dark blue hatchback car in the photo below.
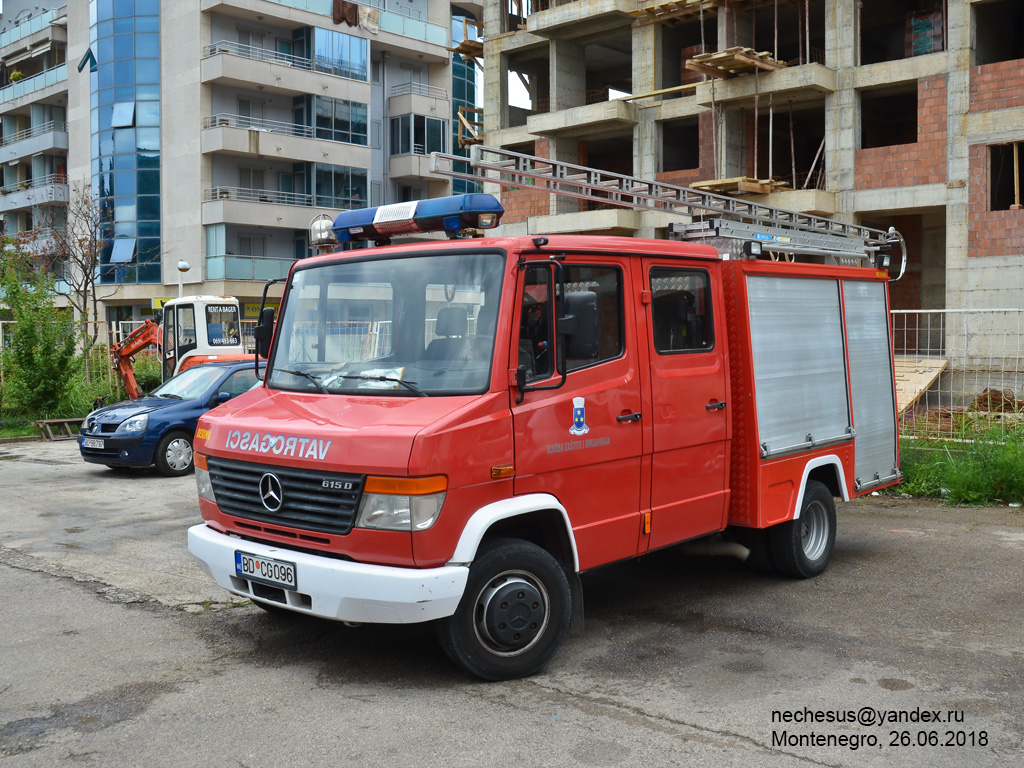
(159, 428)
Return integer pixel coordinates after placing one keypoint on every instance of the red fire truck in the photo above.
(453, 431)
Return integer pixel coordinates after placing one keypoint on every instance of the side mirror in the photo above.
(221, 397)
(264, 332)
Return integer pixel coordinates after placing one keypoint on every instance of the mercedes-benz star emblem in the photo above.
(271, 493)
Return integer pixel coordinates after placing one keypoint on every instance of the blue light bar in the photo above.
(448, 214)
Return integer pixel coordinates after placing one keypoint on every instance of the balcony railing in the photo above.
(224, 120)
(40, 181)
(419, 89)
(242, 267)
(30, 26)
(247, 195)
(37, 130)
(36, 82)
(257, 53)
(397, 19)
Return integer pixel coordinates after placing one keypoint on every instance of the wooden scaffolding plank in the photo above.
(913, 377)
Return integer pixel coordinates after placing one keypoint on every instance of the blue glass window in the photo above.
(341, 120)
(339, 54)
(340, 187)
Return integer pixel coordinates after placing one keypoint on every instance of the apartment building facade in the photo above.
(882, 112)
(212, 132)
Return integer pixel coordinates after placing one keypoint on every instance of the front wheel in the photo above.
(513, 615)
(173, 457)
(803, 547)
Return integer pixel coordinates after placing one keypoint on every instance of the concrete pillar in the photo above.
(568, 78)
(958, 24)
(647, 58)
(842, 114)
(567, 151)
(496, 95)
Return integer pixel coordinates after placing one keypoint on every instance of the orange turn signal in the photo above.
(406, 486)
(503, 471)
(200, 461)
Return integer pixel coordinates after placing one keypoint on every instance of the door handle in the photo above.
(715, 406)
(628, 417)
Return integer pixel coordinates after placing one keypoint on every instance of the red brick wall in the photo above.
(990, 233)
(997, 86)
(906, 292)
(706, 170)
(905, 165)
(522, 203)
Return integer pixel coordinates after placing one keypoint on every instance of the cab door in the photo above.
(581, 440)
(690, 410)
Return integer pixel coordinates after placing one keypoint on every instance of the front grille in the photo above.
(307, 503)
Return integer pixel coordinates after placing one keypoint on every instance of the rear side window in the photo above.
(681, 310)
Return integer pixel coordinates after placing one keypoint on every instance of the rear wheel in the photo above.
(173, 456)
(803, 547)
(513, 615)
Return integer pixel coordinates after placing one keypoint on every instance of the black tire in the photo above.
(173, 456)
(513, 615)
(802, 548)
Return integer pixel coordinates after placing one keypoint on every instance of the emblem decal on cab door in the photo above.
(579, 417)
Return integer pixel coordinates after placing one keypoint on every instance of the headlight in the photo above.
(134, 424)
(400, 504)
(90, 422)
(203, 483)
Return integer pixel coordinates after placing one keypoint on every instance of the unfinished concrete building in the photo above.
(883, 112)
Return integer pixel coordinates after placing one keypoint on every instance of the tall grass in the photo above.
(984, 465)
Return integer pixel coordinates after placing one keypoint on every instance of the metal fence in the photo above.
(956, 369)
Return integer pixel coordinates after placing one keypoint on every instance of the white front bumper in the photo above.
(336, 589)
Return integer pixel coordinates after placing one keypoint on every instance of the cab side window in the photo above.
(536, 343)
(681, 310)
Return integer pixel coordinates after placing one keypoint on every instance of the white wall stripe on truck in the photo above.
(487, 516)
(821, 461)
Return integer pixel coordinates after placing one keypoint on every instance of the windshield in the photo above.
(409, 327)
(189, 384)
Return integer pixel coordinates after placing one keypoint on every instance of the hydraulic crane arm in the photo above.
(122, 355)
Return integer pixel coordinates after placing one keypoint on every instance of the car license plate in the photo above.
(92, 442)
(265, 570)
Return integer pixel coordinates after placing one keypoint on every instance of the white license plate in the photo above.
(92, 442)
(265, 570)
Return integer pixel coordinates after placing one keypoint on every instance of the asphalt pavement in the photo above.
(118, 651)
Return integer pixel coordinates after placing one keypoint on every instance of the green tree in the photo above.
(40, 362)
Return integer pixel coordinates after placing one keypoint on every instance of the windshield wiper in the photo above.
(171, 396)
(410, 385)
(315, 379)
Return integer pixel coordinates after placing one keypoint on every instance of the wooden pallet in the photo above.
(733, 61)
(673, 13)
(679, 11)
(741, 185)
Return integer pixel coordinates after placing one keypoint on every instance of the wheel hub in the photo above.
(513, 613)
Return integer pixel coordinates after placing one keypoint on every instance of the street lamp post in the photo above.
(183, 267)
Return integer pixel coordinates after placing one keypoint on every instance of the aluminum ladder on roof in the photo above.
(710, 216)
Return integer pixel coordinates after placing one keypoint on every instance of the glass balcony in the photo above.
(231, 267)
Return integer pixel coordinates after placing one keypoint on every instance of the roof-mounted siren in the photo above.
(321, 234)
(453, 215)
